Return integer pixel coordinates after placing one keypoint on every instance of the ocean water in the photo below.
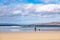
(27, 29)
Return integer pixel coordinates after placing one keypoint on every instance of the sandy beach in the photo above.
(30, 36)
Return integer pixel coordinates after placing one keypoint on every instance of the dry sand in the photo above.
(30, 36)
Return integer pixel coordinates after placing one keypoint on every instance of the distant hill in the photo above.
(10, 24)
(7, 24)
(50, 23)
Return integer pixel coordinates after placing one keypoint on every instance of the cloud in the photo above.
(51, 1)
(17, 12)
(32, 10)
(46, 1)
(24, 13)
(48, 8)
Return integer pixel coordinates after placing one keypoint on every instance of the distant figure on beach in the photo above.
(35, 29)
(39, 29)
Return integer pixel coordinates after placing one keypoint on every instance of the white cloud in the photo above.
(30, 9)
(51, 1)
(46, 1)
(30, 13)
(17, 12)
(28, 6)
(48, 8)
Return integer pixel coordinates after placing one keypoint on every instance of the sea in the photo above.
(27, 29)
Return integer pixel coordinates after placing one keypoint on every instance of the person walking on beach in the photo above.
(35, 29)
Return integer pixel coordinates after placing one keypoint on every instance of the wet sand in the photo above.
(31, 36)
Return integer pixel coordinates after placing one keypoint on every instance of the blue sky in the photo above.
(29, 11)
(7, 2)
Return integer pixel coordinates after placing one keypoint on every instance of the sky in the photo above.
(29, 11)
